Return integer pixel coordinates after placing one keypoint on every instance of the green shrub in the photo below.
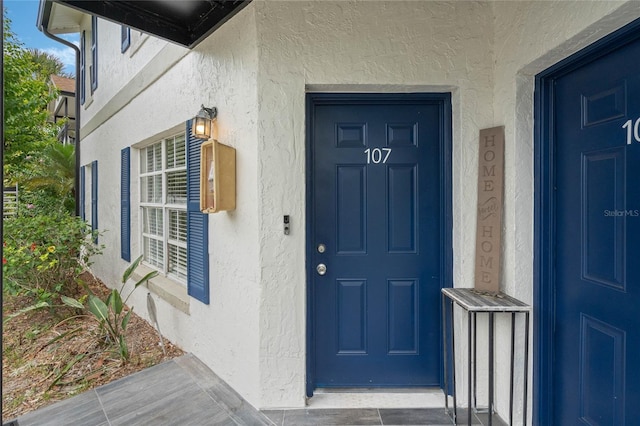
(43, 202)
(45, 254)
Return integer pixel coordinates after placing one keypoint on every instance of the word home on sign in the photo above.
(489, 212)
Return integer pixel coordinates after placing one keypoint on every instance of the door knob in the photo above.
(321, 268)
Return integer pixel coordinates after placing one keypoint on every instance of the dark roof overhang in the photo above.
(185, 22)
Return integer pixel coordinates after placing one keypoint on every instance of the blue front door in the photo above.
(597, 276)
(377, 232)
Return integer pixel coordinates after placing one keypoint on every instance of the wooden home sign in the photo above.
(489, 224)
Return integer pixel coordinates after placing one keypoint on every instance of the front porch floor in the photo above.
(184, 391)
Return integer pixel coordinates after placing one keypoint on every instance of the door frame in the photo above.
(544, 214)
(446, 233)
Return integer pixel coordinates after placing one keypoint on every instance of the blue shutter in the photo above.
(94, 197)
(125, 204)
(197, 225)
(81, 198)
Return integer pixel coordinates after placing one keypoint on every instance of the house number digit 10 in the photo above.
(633, 130)
(377, 155)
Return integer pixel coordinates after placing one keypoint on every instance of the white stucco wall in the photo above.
(530, 37)
(220, 72)
(113, 63)
(485, 53)
(361, 47)
(257, 69)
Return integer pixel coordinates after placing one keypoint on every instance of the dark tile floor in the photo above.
(185, 392)
(373, 416)
(181, 392)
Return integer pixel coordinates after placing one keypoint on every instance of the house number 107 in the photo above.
(632, 128)
(377, 155)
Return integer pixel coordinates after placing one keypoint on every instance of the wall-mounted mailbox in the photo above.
(217, 177)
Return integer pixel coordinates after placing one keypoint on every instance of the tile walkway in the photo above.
(186, 392)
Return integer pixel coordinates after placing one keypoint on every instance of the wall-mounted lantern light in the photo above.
(217, 165)
(217, 177)
(203, 122)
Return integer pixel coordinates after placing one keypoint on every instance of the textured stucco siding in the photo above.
(115, 69)
(485, 53)
(257, 69)
(529, 38)
(352, 46)
(220, 72)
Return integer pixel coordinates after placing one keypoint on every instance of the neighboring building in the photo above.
(64, 108)
(360, 121)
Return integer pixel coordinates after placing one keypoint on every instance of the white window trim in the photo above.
(165, 275)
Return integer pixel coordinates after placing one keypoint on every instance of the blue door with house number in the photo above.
(379, 239)
(596, 339)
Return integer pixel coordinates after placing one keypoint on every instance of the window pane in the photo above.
(151, 159)
(153, 252)
(125, 38)
(177, 187)
(163, 189)
(176, 154)
(151, 189)
(94, 53)
(152, 221)
(146, 190)
(178, 225)
(157, 189)
(178, 261)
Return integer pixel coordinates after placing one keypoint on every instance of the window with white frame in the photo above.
(163, 202)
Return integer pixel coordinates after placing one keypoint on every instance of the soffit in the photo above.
(185, 22)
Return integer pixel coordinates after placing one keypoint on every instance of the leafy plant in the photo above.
(112, 313)
(27, 132)
(26, 95)
(54, 176)
(45, 254)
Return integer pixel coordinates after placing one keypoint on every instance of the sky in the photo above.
(23, 15)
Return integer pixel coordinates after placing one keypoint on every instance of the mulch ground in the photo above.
(50, 355)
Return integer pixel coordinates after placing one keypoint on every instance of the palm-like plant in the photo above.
(56, 173)
(47, 64)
